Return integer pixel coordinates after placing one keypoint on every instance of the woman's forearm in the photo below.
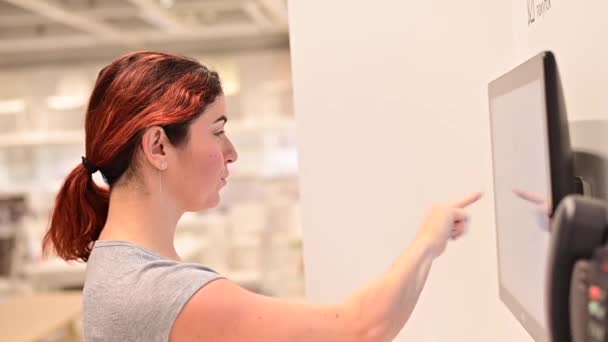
(384, 305)
(381, 309)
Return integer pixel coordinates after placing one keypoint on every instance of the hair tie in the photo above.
(90, 167)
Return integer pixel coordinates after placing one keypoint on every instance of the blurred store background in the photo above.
(50, 54)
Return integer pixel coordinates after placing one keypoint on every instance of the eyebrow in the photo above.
(221, 118)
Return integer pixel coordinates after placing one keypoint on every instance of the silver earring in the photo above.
(160, 183)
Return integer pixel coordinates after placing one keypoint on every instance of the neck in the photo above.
(144, 218)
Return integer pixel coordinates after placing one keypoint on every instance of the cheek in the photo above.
(200, 169)
(213, 162)
(208, 166)
(200, 180)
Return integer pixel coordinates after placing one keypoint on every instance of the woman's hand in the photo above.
(446, 221)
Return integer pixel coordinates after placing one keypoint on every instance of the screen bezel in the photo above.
(541, 67)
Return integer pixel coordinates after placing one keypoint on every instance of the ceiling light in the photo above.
(65, 102)
(12, 106)
(167, 3)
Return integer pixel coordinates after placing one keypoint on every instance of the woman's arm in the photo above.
(223, 311)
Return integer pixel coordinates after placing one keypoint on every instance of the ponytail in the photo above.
(81, 210)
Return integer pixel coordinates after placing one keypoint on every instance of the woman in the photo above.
(155, 130)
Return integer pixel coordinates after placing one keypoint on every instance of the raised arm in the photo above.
(223, 311)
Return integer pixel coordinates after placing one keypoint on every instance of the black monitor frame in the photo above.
(541, 67)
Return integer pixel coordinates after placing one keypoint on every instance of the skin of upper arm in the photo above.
(223, 311)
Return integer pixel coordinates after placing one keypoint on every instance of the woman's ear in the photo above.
(154, 144)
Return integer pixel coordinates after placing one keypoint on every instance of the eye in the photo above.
(217, 134)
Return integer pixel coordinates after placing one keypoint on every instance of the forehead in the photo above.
(212, 113)
(214, 110)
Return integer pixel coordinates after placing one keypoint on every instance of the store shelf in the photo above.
(74, 137)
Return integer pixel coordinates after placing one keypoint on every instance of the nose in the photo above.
(230, 154)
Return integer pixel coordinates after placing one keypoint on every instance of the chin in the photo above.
(203, 204)
(211, 202)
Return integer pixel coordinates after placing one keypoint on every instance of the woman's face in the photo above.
(200, 168)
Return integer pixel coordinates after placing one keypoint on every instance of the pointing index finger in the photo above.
(470, 199)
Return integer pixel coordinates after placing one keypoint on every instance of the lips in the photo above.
(224, 177)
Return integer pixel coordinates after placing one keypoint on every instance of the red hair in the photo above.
(136, 91)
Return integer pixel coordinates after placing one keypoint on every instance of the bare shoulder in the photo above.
(203, 310)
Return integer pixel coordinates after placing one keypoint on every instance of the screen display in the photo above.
(522, 188)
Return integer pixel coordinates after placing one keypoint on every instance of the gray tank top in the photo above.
(133, 294)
